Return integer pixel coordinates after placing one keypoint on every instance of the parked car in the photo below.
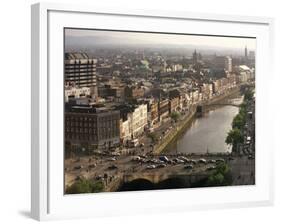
(188, 167)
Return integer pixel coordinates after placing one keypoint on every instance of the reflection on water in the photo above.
(207, 133)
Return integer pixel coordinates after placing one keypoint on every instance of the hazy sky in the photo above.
(115, 37)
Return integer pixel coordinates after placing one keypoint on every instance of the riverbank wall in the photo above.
(173, 135)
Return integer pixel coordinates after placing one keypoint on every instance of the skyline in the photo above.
(119, 38)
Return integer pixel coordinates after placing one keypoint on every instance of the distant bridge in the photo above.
(202, 108)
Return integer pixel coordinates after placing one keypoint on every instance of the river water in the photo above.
(208, 133)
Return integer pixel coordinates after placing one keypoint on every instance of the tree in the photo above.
(239, 121)
(234, 137)
(98, 187)
(215, 180)
(152, 136)
(221, 177)
(175, 116)
(248, 95)
(85, 186)
(81, 186)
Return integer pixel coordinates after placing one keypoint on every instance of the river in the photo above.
(207, 133)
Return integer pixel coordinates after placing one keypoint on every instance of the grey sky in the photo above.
(115, 37)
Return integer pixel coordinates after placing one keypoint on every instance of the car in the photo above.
(116, 154)
(193, 161)
(112, 167)
(163, 158)
(151, 167)
(188, 167)
(220, 161)
(92, 166)
(186, 160)
(78, 167)
(212, 161)
(136, 158)
(112, 159)
(202, 161)
(161, 165)
(211, 168)
(250, 157)
(178, 161)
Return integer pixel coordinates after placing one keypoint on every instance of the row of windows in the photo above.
(82, 137)
(83, 64)
(93, 126)
(80, 64)
(84, 78)
(102, 130)
(86, 118)
(78, 74)
(79, 70)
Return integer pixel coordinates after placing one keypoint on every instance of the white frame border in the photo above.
(39, 92)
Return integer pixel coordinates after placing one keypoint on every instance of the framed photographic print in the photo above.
(148, 111)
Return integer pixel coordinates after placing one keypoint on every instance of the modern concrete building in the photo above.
(80, 71)
(76, 92)
(228, 64)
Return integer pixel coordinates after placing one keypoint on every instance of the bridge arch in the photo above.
(137, 185)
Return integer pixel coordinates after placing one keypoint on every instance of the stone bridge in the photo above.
(155, 178)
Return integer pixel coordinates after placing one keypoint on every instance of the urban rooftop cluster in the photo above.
(113, 98)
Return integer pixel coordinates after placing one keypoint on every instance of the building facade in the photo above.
(138, 120)
(96, 128)
(163, 109)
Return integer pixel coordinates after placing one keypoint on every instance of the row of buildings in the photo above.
(103, 112)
